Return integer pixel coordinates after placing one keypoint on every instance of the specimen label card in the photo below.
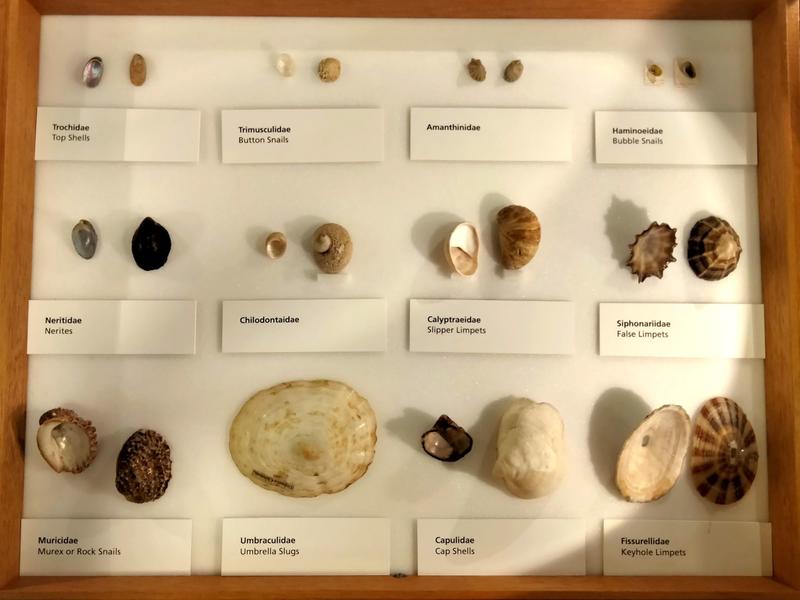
(491, 134)
(675, 138)
(302, 135)
(105, 547)
(325, 546)
(117, 134)
(713, 548)
(111, 326)
(304, 325)
(501, 547)
(682, 330)
(492, 326)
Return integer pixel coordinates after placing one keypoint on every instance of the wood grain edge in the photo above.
(776, 56)
(18, 92)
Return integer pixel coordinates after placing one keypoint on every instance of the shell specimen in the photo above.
(150, 245)
(446, 441)
(275, 245)
(66, 442)
(513, 71)
(284, 64)
(333, 248)
(654, 74)
(520, 233)
(461, 249)
(685, 72)
(724, 452)
(329, 69)
(93, 72)
(476, 69)
(304, 438)
(144, 467)
(651, 251)
(651, 459)
(84, 239)
(531, 458)
(138, 70)
(714, 249)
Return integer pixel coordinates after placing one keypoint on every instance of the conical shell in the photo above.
(144, 467)
(67, 442)
(304, 438)
(651, 459)
(724, 452)
(714, 249)
(461, 249)
(520, 233)
(651, 251)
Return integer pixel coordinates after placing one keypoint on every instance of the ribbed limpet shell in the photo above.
(513, 71)
(66, 442)
(461, 249)
(651, 251)
(714, 249)
(476, 69)
(520, 233)
(304, 438)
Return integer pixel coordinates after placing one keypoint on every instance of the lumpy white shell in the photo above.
(531, 457)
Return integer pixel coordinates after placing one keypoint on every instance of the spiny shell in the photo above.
(84, 239)
(329, 69)
(333, 248)
(275, 244)
(714, 249)
(93, 72)
(513, 71)
(66, 442)
(304, 438)
(151, 245)
(446, 441)
(520, 233)
(476, 69)
(138, 70)
(531, 457)
(651, 459)
(461, 249)
(284, 64)
(651, 251)
(144, 467)
(724, 452)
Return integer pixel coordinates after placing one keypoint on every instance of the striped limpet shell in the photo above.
(724, 452)
(714, 249)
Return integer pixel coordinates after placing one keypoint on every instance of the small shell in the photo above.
(150, 245)
(446, 441)
(724, 452)
(284, 64)
(520, 233)
(93, 72)
(714, 249)
(329, 69)
(138, 70)
(275, 245)
(461, 249)
(686, 72)
(476, 69)
(651, 459)
(144, 467)
(66, 442)
(513, 71)
(653, 74)
(84, 239)
(651, 251)
(333, 248)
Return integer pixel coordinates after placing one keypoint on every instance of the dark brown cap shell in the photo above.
(144, 467)
(651, 251)
(714, 249)
(446, 441)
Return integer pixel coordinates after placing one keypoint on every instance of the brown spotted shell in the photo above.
(333, 247)
(67, 442)
(476, 69)
(724, 452)
(520, 233)
(144, 467)
(651, 251)
(714, 249)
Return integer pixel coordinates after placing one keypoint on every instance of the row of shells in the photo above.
(150, 244)
(94, 68)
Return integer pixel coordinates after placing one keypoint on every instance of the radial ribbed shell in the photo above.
(724, 452)
(67, 442)
(304, 438)
(714, 249)
(651, 251)
(520, 233)
(651, 459)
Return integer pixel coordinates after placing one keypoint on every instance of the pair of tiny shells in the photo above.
(93, 71)
(685, 72)
(511, 73)
(329, 69)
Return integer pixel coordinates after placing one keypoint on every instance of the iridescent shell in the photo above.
(461, 249)
(520, 233)
(651, 251)
(714, 249)
(66, 442)
(93, 72)
(724, 452)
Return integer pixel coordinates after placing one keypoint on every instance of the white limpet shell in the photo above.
(652, 458)
(304, 438)
(461, 249)
(531, 456)
(275, 245)
(67, 442)
(284, 64)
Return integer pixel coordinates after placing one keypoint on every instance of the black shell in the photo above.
(446, 441)
(714, 249)
(150, 245)
(144, 467)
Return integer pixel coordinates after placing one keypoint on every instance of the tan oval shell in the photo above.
(513, 71)
(304, 438)
(652, 458)
(329, 69)
(461, 249)
(275, 244)
(520, 233)
(651, 251)
(138, 70)
(714, 249)
(332, 247)
(476, 69)
(144, 467)
(724, 452)
(66, 442)
(531, 455)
